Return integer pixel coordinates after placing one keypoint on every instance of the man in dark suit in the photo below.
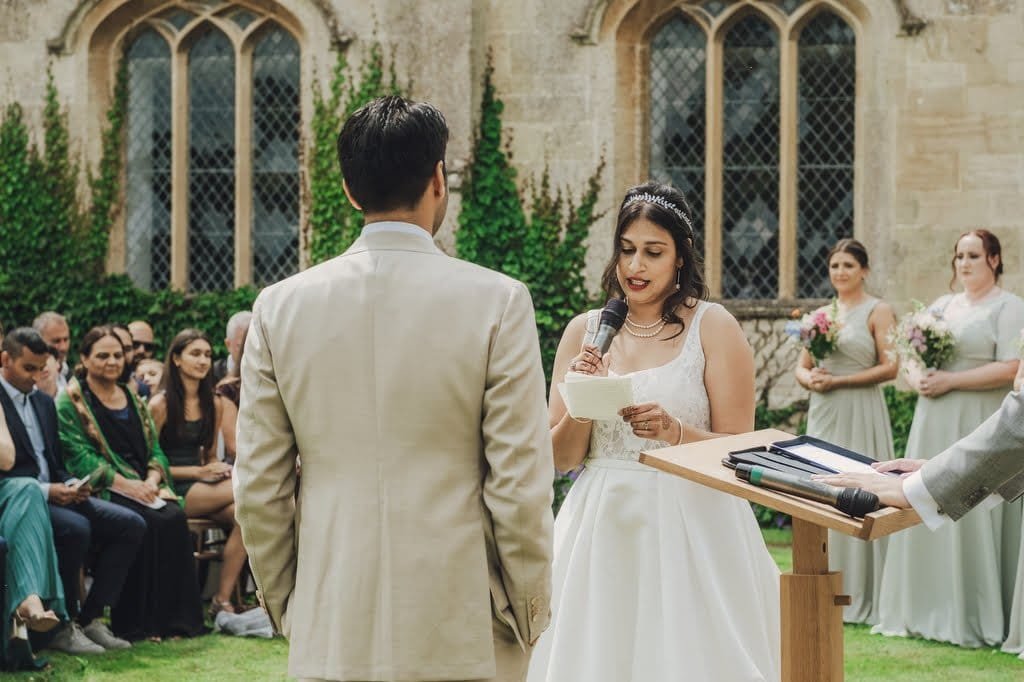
(79, 520)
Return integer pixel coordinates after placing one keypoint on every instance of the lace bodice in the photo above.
(678, 386)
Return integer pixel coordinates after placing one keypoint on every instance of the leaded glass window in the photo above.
(275, 148)
(148, 191)
(756, 167)
(678, 113)
(750, 160)
(211, 155)
(234, 216)
(827, 92)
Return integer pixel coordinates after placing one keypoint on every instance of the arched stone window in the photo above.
(751, 111)
(212, 194)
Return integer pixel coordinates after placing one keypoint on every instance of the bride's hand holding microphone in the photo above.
(590, 361)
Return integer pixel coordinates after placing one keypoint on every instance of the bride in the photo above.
(657, 578)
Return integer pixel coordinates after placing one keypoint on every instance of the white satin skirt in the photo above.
(658, 579)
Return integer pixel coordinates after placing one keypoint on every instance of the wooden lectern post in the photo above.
(811, 595)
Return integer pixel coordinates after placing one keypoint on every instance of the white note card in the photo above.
(590, 397)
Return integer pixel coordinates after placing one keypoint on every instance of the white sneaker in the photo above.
(71, 640)
(100, 633)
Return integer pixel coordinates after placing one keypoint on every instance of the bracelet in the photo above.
(679, 421)
(580, 421)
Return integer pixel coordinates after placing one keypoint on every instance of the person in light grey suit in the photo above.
(986, 466)
(418, 546)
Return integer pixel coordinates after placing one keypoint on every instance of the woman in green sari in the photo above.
(108, 433)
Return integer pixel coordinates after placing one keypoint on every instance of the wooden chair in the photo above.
(204, 552)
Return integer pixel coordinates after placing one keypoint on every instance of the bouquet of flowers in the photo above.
(818, 332)
(924, 337)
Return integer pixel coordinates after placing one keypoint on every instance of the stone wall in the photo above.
(940, 131)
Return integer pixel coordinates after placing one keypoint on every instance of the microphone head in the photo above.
(614, 313)
(856, 502)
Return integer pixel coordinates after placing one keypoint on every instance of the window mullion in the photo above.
(243, 166)
(179, 169)
(787, 167)
(713, 168)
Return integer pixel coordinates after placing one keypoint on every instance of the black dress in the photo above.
(183, 450)
(160, 597)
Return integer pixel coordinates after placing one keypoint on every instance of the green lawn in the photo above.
(869, 658)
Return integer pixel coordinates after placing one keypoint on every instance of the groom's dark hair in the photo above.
(388, 150)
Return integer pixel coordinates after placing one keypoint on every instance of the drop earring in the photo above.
(679, 275)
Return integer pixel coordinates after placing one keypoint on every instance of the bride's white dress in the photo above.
(657, 578)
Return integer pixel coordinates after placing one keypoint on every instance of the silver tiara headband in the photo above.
(663, 202)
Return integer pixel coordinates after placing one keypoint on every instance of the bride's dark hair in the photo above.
(666, 207)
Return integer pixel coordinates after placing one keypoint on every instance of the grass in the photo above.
(869, 658)
(873, 658)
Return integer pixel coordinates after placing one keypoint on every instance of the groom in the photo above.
(419, 544)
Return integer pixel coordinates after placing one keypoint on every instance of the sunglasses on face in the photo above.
(144, 345)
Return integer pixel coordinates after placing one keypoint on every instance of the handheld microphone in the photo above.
(612, 317)
(851, 501)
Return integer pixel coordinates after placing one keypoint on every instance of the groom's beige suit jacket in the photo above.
(411, 384)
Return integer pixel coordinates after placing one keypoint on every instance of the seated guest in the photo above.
(230, 388)
(79, 522)
(35, 600)
(47, 379)
(238, 325)
(142, 340)
(149, 372)
(55, 331)
(187, 415)
(107, 432)
(128, 373)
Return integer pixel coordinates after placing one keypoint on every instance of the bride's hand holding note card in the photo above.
(594, 397)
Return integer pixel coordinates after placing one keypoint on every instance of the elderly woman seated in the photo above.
(106, 431)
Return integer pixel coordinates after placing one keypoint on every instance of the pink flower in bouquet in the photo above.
(818, 332)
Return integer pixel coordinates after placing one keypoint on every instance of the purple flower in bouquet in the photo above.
(924, 337)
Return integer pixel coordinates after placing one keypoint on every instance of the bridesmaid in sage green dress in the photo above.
(955, 584)
(1014, 643)
(847, 408)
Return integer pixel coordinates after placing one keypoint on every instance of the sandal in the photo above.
(216, 606)
(41, 621)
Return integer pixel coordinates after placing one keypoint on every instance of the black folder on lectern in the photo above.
(803, 456)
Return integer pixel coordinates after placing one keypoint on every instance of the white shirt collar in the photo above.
(395, 226)
(16, 395)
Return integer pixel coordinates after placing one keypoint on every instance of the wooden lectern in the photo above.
(811, 595)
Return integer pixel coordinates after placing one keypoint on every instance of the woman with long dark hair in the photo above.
(107, 433)
(187, 415)
(647, 566)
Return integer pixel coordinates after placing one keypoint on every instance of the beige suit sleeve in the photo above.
(518, 487)
(264, 476)
(989, 459)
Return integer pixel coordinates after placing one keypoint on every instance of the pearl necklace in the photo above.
(652, 325)
(659, 326)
